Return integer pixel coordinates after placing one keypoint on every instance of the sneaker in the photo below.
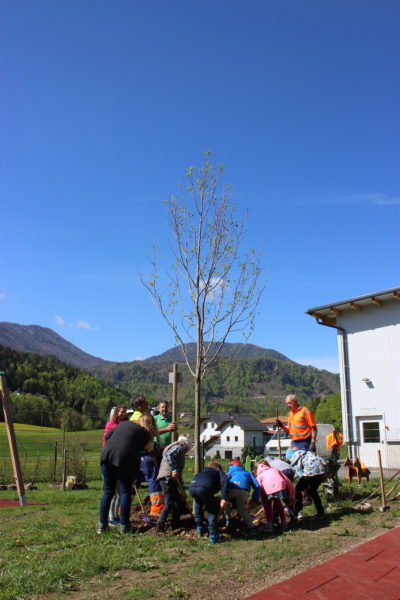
(253, 531)
(125, 528)
(200, 529)
(268, 528)
(101, 528)
(113, 522)
(214, 539)
(300, 516)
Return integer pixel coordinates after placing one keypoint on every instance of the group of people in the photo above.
(141, 448)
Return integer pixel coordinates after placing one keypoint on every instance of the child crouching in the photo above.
(275, 487)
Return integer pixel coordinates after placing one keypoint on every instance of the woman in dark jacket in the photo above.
(120, 461)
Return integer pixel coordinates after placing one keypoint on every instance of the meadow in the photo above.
(50, 549)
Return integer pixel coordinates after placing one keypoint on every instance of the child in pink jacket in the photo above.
(275, 487)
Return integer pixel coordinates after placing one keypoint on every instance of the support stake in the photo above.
(12, 442)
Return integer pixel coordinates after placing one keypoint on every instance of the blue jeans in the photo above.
(111, 474)
(204, 499)
(302, 444)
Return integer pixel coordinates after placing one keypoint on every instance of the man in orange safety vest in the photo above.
(301, 425)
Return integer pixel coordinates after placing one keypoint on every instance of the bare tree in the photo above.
(210, 290)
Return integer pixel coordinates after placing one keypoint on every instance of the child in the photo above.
(240, 483)
(149, 466)
(171, 482)
(203, 488)
(275, 486)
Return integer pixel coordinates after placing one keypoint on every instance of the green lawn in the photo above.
(51, 549)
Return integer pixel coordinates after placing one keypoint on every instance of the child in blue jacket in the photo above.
(240, 483)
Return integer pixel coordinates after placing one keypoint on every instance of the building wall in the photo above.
(207, 430)
(373, 336)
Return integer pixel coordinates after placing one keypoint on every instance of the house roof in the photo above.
(271, 420)
(246, 422)
(328, 312)
(212, 440)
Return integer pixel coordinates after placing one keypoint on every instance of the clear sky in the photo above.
(104, 105)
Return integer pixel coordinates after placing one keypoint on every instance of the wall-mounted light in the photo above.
(368, 382)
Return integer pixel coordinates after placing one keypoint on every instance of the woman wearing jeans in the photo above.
(120, 461)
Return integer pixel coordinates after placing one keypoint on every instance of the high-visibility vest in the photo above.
(334, 439)
(301, 424)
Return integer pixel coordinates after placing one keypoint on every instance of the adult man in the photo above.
(139, 405)
(301, 425)
(164, 423)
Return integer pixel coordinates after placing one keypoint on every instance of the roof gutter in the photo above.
(346, 378)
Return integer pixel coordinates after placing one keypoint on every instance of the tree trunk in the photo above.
(197, 445)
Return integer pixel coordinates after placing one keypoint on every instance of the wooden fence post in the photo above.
(12, 442)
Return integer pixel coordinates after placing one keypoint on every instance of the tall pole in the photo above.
(12, 442)
(174, 397)
(279, 435)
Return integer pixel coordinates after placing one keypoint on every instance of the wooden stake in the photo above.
(279, 435)
(12, 442)
(384, 505)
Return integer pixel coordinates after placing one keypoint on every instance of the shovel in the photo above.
(146, 518)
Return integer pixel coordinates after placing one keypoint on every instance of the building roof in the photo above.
(271, 420)
(246, 422)
(328, 312)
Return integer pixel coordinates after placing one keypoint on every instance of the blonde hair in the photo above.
(147, 421)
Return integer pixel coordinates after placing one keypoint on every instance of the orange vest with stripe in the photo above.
(301, 423)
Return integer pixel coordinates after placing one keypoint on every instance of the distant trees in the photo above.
(47, 392)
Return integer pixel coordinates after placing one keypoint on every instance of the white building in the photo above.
(368, 329)
(227, 434)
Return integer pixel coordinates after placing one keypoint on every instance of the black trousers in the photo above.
(312, 484)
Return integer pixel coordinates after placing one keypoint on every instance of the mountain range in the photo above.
(42, 340)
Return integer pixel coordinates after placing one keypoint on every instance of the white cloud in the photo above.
(2, 296)
(371, 199)
(79, 324)
(60, 321)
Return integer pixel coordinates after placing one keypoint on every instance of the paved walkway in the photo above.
(370, 571)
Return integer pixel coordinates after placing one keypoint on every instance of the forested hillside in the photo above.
(253, 385)
(45, 391)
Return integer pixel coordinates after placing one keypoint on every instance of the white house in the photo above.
(368, 329)
(226, 434)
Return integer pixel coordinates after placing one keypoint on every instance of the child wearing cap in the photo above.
(240, 482)
(170, 478)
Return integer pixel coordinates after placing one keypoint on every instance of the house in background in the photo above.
(226, 434)
(368, 329)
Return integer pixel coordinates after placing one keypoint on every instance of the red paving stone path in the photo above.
(4, 503)
(370, 571)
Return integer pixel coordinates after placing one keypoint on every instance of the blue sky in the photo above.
(104, 104)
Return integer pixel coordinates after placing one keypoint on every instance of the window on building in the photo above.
(228, 454)
(371, 432)
(228, 439)
(236, 438)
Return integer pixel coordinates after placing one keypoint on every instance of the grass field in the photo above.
(37, 448)
(51, 551)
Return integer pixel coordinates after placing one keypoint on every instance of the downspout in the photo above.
(346, 377)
